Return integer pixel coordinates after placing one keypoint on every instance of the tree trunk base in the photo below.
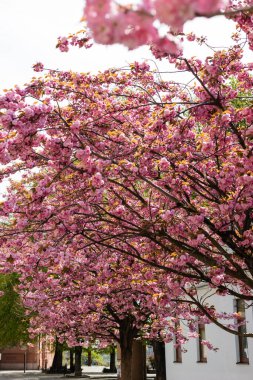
(160, 360)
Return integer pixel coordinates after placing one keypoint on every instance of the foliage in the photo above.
(97, 358)
(13, 321)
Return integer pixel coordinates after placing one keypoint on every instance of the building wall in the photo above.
(40, 356)
(221, 365)
(16, 358)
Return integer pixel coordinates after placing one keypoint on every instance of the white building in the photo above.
(233, 360)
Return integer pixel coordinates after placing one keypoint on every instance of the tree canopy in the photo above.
(133, 190)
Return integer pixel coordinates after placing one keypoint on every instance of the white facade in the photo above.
(220, 365)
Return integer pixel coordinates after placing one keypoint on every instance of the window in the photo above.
(177, 347)
(177, 353)
(201, 348)
(241, 341)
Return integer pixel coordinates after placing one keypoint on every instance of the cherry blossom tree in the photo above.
(152, 169)
(126, 178)
(89, 299)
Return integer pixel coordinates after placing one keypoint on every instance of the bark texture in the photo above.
(113, 368)
(127, 334)
(71, 360)
(160, 362)
(78, 355)
(57, 361)
(89, 358)
(139, 369)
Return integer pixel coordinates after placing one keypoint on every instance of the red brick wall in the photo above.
(39, 356)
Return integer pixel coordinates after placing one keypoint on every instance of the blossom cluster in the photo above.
(140, 23)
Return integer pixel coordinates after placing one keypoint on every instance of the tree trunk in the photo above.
(160, 361)
(71, 360)
(126, 363)
(139, 369)
(78, 355)
(57, 361)
(113, 368)
(127, 333)
(89, 359)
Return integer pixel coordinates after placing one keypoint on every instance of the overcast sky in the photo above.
(29, 31)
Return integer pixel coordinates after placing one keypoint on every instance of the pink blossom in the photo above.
(97, 180)
(63, 44)
(173, 14)
(164, 164)
(120, 210)
(38, 67)
(208, 7)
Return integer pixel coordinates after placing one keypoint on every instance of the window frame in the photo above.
(202, 357)
(241, 341)
(177, 348)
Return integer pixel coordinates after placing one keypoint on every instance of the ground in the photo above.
(89, 373)
(37, 375)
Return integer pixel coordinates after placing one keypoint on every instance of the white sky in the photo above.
(29, 31)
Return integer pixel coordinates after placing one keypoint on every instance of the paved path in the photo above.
(29, 375)
(37, 375)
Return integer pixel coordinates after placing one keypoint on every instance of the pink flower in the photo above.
(164, 164)
(249, 132)
(38, 67)
(209, 7)
(63, 44)
(120, 210)
(193, 334)
(217, 280)
(97, 180)
(75, 126)
(162, 47)
(173, 13)
(191, 37)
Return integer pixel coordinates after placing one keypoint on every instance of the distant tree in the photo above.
(13, 321)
